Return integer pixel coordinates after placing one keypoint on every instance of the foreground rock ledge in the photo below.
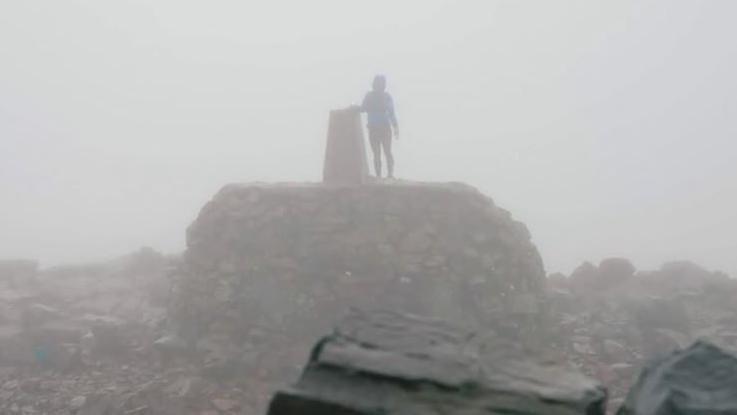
(387, 363)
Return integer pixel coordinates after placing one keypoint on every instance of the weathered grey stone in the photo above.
(77, 403)
(345, 155)
(291, 259)
(324, 232)
(397, 364)
(614, 271)
(584, 277)
(699, 380)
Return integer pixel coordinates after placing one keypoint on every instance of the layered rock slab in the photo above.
(397, 364)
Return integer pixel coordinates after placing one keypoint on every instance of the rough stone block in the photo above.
(387, 363)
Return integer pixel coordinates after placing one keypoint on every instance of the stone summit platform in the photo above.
(291, 259)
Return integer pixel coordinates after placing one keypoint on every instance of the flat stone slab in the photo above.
(390, 363)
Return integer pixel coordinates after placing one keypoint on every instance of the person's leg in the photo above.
(387, 144)
(375, 141)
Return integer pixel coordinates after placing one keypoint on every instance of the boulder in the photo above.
(659, 321)
(584, 277)
(398, 364)
(699, 380)
(610, 273)
(614, 272)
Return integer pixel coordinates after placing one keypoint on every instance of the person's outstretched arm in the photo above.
(360, 108)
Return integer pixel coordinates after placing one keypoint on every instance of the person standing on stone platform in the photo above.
(382, 122)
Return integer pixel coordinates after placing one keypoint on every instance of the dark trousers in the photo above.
(380, 138)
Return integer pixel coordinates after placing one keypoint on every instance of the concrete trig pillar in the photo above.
(345, 152)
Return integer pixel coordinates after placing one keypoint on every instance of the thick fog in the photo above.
(609, 128)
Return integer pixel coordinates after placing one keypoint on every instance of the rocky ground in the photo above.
(609, 320)
(83, 340)
(95, 339)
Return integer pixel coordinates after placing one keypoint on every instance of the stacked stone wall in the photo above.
(284, 262)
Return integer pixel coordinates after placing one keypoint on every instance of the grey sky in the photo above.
(608, 127)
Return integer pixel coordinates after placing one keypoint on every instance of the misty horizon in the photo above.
(608, 129)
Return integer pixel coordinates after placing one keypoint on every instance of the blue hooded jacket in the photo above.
(379, 106)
